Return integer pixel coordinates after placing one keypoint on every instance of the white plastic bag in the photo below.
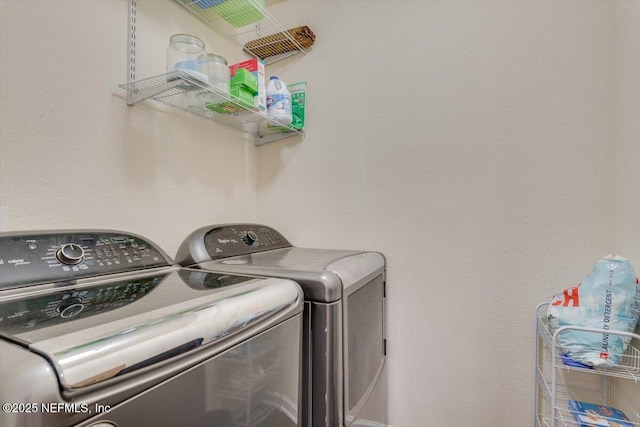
(608, 299)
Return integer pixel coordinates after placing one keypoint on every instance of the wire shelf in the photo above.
(187, 92)
(257, 416)
(628, 368)
(230, 23)
(558, 383)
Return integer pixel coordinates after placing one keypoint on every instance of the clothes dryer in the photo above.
(344, 341)
(102, 328)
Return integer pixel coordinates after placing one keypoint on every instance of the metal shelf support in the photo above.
(131, 42)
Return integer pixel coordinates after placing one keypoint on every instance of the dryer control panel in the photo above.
(241, 239)
(228, 240)
(45, 257)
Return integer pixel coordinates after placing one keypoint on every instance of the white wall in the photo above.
(488, 148)
(627, 165)
(627, 215)
(73, 154)
(475, 144)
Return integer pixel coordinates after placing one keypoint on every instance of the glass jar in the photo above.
(183, 52)
(217, 71)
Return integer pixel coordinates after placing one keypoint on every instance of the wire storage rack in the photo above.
(187, 92)
(190, 92)
(248, 23)
(557, 383)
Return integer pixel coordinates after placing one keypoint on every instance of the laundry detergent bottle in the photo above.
(278, 102)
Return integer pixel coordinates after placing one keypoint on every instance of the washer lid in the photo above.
(311, 268)
(262, 251)
(105, 329)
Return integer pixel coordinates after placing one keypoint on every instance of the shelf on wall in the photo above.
(244, 21)
(233, 19)
(187, 92)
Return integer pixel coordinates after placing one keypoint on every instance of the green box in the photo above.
(239, 95)
(298, 104)
(246, 79)
(243, 95)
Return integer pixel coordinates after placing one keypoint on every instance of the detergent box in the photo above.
(255, 66)
(589, 414)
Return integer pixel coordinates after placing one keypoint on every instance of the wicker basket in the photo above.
(276, 44)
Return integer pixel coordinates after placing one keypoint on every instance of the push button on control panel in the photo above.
(70, 254)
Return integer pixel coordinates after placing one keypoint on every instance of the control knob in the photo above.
(250, 238)
(70, 307)
(70, 254)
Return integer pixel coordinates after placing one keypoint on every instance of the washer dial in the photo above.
(250, 238)
(70, 254)
(70, 307)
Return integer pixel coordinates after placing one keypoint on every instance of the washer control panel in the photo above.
(242, 239)
(46, 257)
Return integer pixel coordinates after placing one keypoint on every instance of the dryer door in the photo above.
(364, 344)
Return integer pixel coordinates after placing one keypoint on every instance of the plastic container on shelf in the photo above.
(278, 102)
(183, 52)
(217, 71)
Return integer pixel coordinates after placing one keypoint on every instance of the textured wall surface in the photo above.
(73, 154)
(489, 149)
(475, 144)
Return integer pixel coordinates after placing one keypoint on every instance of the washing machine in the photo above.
(101, 328)
(344, 341)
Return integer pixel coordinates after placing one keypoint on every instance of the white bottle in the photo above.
(278, 102)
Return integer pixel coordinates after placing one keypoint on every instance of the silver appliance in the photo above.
(344, 342)
(101, 328)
